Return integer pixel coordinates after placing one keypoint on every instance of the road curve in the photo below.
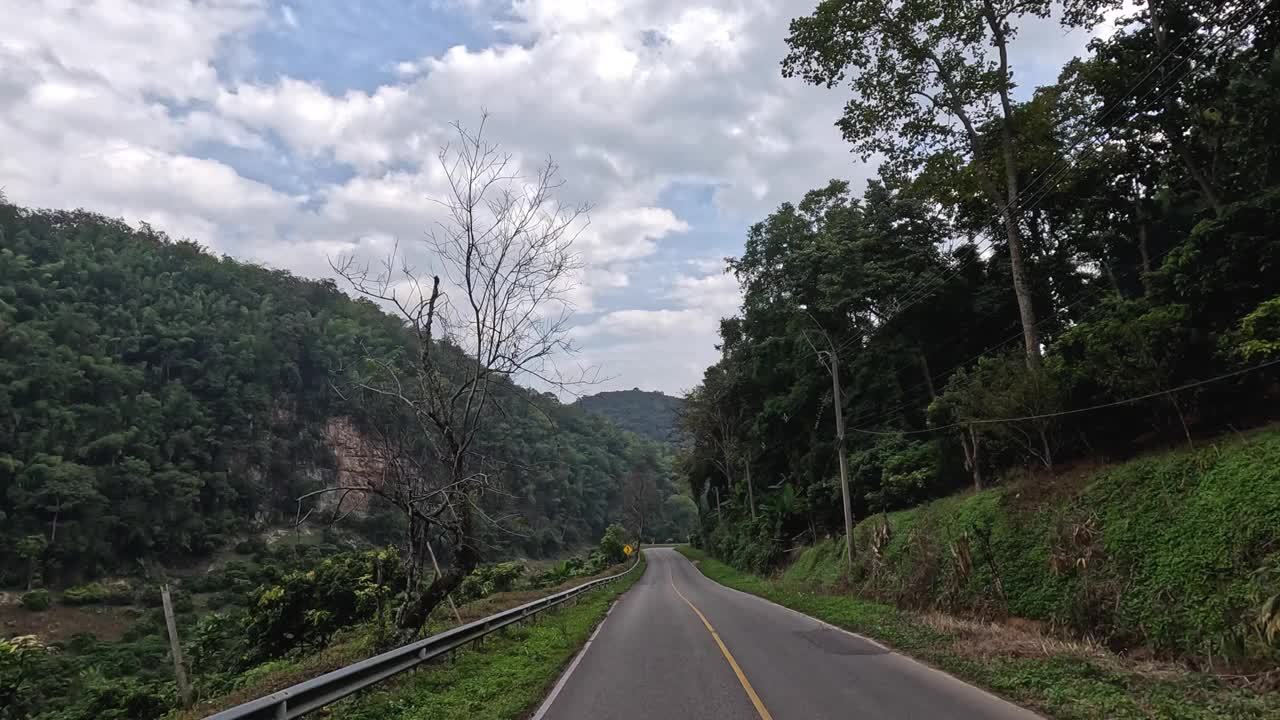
(678, 645)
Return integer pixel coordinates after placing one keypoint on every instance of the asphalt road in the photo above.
(656, 657)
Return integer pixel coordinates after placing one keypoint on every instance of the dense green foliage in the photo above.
(259, 614)
(157, 402)
(1146, 240)
(1174, 551)
(36, 600)
(1059, 679)
(651, 415)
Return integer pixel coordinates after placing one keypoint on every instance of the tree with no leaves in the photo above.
(494, 310)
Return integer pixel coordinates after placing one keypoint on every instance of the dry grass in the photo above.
(60, 622)
(985, 639)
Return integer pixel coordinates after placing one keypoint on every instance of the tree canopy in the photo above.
(1141, 190)
(158, 402)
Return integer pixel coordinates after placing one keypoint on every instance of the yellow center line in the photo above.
(742, 677)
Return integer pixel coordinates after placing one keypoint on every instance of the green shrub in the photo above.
(96, 593)
(615, 538)
(306, 607)
(489, 579)
(1168, 551)
(36, 600)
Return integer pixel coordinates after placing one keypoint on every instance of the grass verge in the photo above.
(357, 643)
(1064, 680)
(504, 679)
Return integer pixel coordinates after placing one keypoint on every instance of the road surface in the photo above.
(678, 645)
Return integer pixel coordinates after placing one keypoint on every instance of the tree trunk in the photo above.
(972, 461)
(1160, 29)
(418, 606)
(1111, 275)
(1044, 445)
(435, 564)
(1140, 212)
(1177, 408)
(1009, 210)
(928, 377)
(751, 497)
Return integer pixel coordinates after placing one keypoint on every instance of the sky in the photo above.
(286, 134)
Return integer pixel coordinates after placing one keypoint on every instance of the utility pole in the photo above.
(844, 461)
(832, 364)
(175, 648)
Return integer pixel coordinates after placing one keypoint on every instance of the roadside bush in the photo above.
(96, 593)
(489, 579)
(305, 608)
(1177, 552)
(558, 573)
(615, 537)
(36, 600)
(745, 544)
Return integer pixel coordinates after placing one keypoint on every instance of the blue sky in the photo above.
(286, 133)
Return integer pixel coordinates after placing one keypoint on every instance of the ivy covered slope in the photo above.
(158, 402)
(1178, 552)
(653, 415)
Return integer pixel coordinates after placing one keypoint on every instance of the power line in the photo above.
(1097, 292)
(1043, 416)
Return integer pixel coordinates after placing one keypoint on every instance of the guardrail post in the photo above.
(318, 692)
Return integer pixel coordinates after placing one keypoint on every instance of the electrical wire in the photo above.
(1091, 408)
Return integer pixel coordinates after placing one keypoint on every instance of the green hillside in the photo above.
(650, 414)
(158, 403)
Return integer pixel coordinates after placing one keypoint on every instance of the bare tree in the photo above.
(494, 309)
(640, 499)
(717, 423)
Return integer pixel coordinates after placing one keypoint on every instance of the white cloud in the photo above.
(668, 348)
(717, 294)
(105, 105)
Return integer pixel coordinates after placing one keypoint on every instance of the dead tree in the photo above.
(492, 308)
(640, 499)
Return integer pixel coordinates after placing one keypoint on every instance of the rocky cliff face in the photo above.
(358, 463)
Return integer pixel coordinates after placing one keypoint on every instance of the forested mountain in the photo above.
(1132, 205)
(649, 414)
(158, 402)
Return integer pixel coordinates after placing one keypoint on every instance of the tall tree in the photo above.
(925, 82)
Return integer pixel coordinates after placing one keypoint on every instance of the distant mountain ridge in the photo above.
(650, 414)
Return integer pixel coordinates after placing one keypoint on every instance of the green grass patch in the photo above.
(1061, 685)
(505, 678)
(1178, 552)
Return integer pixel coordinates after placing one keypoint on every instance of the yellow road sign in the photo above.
(628, 550)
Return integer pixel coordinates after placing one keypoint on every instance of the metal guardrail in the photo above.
(317, 692)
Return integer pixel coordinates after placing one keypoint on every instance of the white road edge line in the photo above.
(564, 679)
(823, 623)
